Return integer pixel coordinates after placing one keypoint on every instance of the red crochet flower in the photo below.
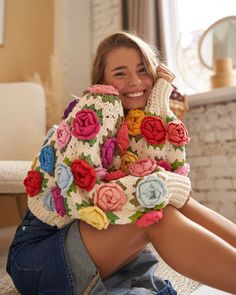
(177, 133)
(33, 183)
(149, 218)
(153, 130)
(123, 138)
(85, 125)
(114, 175)
(84, 174)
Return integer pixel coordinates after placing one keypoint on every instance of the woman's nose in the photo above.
(134, 80)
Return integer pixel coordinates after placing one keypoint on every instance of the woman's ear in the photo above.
(163, 72)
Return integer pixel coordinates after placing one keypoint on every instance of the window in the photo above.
(189, 19)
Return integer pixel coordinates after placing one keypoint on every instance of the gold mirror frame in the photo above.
(201, 40)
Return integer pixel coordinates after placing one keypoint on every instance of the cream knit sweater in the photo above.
(104, 168)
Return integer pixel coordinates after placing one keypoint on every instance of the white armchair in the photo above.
(22, 129)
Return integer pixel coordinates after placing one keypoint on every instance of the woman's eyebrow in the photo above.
(119, 68)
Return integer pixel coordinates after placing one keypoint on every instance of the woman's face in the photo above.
(126, 72)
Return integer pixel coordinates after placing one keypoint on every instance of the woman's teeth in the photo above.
(135, 94)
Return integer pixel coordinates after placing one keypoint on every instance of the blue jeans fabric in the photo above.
(40, 262)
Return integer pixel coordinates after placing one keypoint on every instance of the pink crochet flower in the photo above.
(85, 125)
(109, 197)
(177, 133)
(113, 175)
(103, 89)
(58, 200)
(184, 170)
(62, 135)
(142, 167)
(108, 150)
(164, 164)
(149, 218)
(100, 172)
(123, 138)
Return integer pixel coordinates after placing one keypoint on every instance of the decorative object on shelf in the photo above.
(178, 103)
(217, 51)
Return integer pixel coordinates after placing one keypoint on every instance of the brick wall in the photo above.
(212, 155)
(106, 18)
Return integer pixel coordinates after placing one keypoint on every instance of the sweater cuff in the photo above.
(179, 188)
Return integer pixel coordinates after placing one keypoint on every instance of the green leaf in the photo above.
(67, 207)
(67, 161)
(72, 189)
(44, 182)
(83, 205)
(112, 217)
(169, 119)
(176, 164)
(178, 147)
(136, 216)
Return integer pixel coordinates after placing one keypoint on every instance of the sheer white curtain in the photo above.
(146, 18)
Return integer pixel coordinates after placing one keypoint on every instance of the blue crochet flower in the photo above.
(64, 177)
(47, 159)
(151, 191)
(47, 201)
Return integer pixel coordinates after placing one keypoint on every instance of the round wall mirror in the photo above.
(218, 42)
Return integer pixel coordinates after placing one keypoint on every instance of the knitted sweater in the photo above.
(104, 168)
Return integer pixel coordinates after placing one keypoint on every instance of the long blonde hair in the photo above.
(150, 55)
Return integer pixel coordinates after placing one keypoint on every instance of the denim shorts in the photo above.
(46, 260)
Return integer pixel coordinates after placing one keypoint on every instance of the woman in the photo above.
(53, 255)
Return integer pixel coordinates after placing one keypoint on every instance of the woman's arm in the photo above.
(211, 220)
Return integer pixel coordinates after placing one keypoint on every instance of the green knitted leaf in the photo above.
(67, 161)
(169, 119)
(86, 158)
(136, 216)
(44, 182)
(178, 148)
(52, 143)
(83, 205)
(121, 185)
(72, 189)
(67, 207)
(112, 217)
(119, 122)
(109, 98)
(150, 114)
(134, 201)
(176, 164)
(91, 142)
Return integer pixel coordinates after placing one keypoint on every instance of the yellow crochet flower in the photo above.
(94, 216)
(34, 162)
(134, 120)
(128, 159)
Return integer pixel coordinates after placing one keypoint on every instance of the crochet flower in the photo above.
(177, 133)
(103, 89)
(122, 138)
(47, 159)
(184, 170)
(64, 177)
(84, 174)
(58, 201)
(108, 150)
(127, 159)
(62, 135)
(153, 130)
(69, 108)
(85, 125)
(109, 197)
(100, 172)
(94, 216)
(113, 175)
(50, 134)
(142, 167)
(151, 191)
(164, 164)
(149, 218)
(33, 183)
(47, 201)
(134, 120)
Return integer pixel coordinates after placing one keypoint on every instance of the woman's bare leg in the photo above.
(186, 246)
(194, 251)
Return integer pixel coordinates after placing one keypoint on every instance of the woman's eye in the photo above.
(120, 74)
(143, 70)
